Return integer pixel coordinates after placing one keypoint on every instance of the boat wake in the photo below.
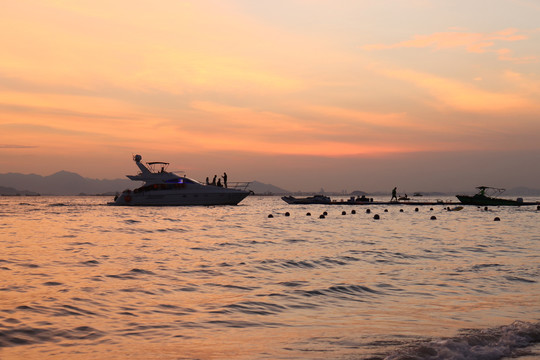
(486, 344)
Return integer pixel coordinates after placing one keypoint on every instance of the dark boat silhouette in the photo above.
(487, 196)
(316, 199)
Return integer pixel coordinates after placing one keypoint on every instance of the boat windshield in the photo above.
(158, 166)
(490, 191)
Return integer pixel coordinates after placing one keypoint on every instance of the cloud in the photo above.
(305, 128)
(507, 55)
(14, 146)
(472, 42)
(463, 96)
(188, 48)
(526, 83)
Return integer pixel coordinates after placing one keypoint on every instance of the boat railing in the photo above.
(238, 185)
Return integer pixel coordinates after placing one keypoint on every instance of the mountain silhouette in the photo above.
(260, 188)
(70, 183)
(63, 183)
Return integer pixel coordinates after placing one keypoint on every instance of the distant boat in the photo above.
(315, 199)
(487, 196)
(162, 187)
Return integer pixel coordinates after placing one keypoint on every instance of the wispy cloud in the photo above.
(462, 96)
(305, 128)
(472, 42)
(14, 146)
(508, 55)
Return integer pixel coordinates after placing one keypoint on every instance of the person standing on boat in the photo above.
(394, 194)
(207, 181)
(214, 180)
(224, 179)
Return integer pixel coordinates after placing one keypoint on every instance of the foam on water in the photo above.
(479, 344)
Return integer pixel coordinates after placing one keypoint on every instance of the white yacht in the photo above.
(162, 187)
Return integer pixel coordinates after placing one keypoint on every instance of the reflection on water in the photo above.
(82, 280)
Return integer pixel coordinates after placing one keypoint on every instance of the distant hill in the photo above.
(62, 183)
(266, 189)
(9, 191)
(69, 183)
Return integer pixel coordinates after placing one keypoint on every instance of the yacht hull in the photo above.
(181, 198)
(163, 188)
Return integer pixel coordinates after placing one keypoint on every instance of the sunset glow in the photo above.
(85, 84)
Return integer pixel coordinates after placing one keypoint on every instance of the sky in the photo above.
(425, 95)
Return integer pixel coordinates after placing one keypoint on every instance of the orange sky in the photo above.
(271, 90)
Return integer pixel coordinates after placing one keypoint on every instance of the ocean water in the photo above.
(82, 280)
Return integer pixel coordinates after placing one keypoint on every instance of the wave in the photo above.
(30, 335)
(484, 344)
(342, 291)
(130, 275)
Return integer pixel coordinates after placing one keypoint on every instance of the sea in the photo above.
(83, 280)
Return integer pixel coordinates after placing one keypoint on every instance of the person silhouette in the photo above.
(214, 180)
(394, 194)
(224, 179)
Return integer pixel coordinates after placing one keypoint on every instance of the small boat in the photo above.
(487, 196)
(315, 199)
(164, 188)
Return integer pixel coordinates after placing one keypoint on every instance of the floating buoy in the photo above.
(353, 212)
(287, 214)
(270, 215)
(486, 208)
(385, 210)
(430, 209)
(308, 214)
(433, 217)
(497, 219)
(368, 211)
(416, 209)
(400, 210)
(343, 213)
(538, 207)
(322, 216)
(376, 217)
(325, 213)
